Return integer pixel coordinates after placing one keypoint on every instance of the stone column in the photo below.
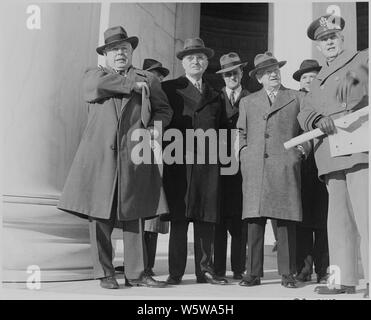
(43, 115)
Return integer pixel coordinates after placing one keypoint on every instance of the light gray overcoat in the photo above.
(271, 174)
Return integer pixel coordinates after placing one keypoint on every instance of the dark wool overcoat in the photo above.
(102, 165)
(192, 190)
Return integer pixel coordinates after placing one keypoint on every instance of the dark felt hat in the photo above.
(230, 61)
(194, 45)
(116, 35)
(325, 25)
(152, 64)
(263, 61)
(306, 66)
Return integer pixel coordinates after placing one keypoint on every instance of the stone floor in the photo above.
(189, 289)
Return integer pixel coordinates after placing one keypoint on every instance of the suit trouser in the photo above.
(348, 222)
(286, 246)
(238, 231)
(150, 240)
(134, 251)
(203, 247)
(311, 247)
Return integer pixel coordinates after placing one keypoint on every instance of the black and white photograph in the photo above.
(213, 151)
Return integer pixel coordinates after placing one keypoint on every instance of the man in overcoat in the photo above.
(104, 184)
(271, 175)
(192, 188)
(311, 233)
(152, 227)
(231, 185)
(346, 176)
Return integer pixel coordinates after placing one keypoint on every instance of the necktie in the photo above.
(198, 86)
(231, 98)
(272, 96)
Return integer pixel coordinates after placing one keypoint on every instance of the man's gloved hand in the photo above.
(326, 125)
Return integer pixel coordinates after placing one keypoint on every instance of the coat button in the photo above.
(113, 147)
(266, 155)
(266, 135)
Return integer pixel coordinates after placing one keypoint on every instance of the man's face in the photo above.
(331, 45)
(270, 78)
(306, 79)
(195, 64)
(157, 74)
(233, 78)
(119, 56)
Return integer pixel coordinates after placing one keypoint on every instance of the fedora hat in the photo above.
(194, 45)
(263, 61)
(325, 25)
(230, 61)
(306, 66)
(152, 64)
(116, 35)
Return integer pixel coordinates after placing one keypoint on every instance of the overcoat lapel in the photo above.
(208, 95)
(263, 99)
(232, 110)
(338, 63)
(283, 98)
(189, 92)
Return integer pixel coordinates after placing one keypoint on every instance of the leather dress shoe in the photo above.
(288, 281)
(237, 276)
(146, 281)
(304, 277)
(342, 289)
(250, 281)
(367, 293)
(109, 283)
(207, 277)
(173, 281)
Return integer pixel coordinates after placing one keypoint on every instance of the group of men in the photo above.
(109, 189)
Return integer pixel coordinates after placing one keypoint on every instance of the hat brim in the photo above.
(297, 75)
(132, 40)
(253, 72)
(207, 51)
(313, 26)
(241, 65)
(162, 70)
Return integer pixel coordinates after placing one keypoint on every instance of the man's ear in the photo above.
(258, 78)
